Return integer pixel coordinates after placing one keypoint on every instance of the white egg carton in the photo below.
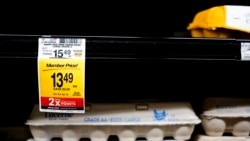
(226, 115)
(128, 121)
(220, 138)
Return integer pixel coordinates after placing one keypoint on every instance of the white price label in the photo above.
(67, 48)
(245, 51)
(61, 75)
(238, 17)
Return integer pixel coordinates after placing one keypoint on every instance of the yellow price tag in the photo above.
(61, 73)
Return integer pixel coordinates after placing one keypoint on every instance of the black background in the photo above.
(146, 18)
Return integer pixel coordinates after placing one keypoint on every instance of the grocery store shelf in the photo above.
(119, 69)
(125, 48)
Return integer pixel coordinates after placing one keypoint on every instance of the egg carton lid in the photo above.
(154, 113)
(226, 107)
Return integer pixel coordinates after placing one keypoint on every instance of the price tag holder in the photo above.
(61, 75)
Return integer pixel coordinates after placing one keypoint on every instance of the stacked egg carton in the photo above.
(222, 22)
(153, 121)
(225, 115)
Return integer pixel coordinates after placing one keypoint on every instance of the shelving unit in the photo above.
(142, 53)
(121, 69)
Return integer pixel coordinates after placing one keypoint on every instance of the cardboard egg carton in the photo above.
(128, 121)
(226, 115)
(221, 138)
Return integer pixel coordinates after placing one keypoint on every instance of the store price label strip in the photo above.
(61, 75)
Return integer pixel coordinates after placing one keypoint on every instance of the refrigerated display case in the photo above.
(143, 61)
(123, 69)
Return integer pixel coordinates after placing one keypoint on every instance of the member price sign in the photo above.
(61, 75)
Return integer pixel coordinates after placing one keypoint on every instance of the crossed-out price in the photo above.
(60, 53)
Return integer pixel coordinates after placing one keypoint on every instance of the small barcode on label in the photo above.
(72, 41)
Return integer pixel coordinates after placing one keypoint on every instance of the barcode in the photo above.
(72, 41)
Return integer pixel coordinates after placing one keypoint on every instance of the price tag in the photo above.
(245, 51)
(239, 19)
(61, 75)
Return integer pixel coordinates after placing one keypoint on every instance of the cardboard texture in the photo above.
(128, 121)
(222, 138)
(223, 114)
